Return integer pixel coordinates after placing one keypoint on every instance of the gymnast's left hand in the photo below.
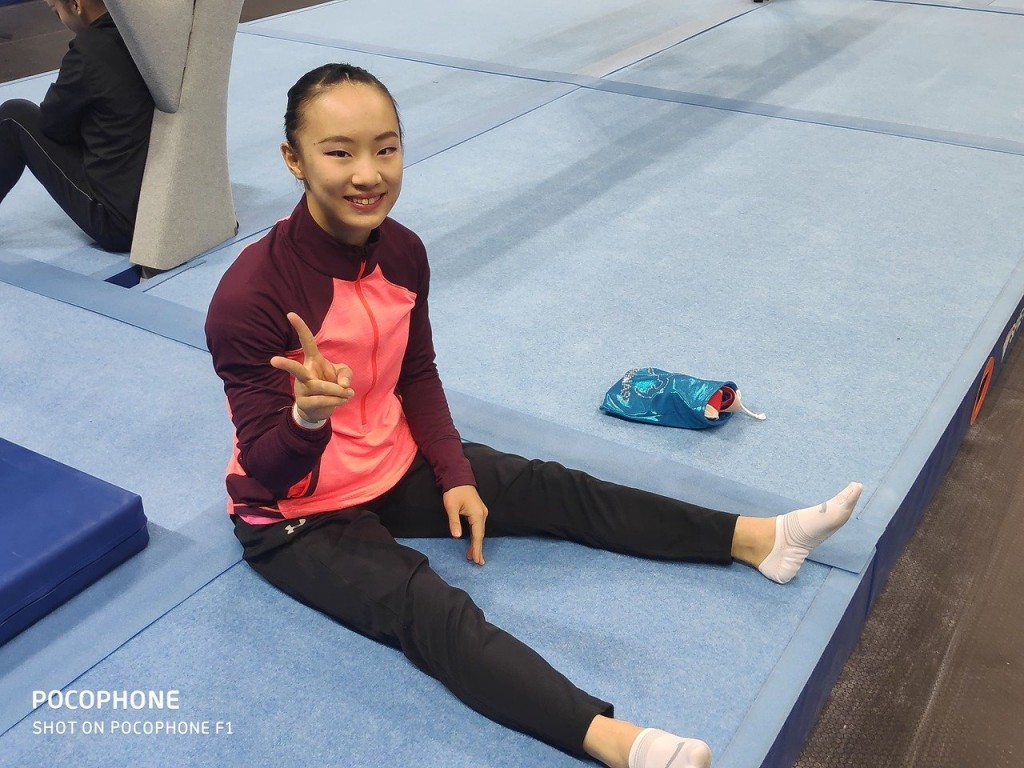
(464, 501)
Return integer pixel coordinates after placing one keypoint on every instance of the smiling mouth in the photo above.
(365, 202)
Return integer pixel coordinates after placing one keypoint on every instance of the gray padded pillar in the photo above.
(156, 33)
(183, 50)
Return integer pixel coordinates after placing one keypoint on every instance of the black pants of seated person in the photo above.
(348, 565)
(61, 170)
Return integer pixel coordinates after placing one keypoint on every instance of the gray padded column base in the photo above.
(186, 205)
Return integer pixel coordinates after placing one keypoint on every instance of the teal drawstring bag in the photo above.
(654, 396)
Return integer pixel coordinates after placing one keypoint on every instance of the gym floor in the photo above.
(938, 676)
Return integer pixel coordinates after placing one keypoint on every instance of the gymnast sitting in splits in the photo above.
(344, 441)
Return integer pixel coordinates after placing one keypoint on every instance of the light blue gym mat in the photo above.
(817, 200)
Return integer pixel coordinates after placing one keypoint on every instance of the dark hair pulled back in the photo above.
(317, 80)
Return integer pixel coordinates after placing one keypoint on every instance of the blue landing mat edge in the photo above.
(993, 333)
(791, 731)
(149, 313)
(908, 514)
(808, 698)
(782, 697)
(62, 646)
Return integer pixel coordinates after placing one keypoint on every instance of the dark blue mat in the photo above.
(60, 529)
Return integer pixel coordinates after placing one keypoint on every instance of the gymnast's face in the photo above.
(349, 158)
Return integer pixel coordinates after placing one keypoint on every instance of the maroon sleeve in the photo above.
(423, 399)
(245, 327)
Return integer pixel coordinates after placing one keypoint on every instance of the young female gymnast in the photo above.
(87, 141)
(343, 441)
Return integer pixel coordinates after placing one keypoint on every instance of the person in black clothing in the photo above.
(87, 142)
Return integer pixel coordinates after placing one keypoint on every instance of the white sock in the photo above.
(800, 531)
(660, 749)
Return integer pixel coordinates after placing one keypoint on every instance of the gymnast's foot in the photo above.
(660, 749)
(800, 531)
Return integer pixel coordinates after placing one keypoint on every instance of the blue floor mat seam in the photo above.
(976, 7)
(684, 40)
(762, 109)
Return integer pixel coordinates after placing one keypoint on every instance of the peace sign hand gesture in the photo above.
(320, 385)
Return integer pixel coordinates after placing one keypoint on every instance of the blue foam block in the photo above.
(60, 530)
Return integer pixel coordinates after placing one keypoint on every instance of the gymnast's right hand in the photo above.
(320, 385)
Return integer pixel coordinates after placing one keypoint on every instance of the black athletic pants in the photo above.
(348, 565)
(60, 169)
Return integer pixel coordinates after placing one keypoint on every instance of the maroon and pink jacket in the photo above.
(367, 308)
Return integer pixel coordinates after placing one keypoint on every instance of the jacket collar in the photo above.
(319, 250)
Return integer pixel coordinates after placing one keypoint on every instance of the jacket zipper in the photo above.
(376, 341)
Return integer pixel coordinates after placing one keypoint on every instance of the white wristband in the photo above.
(302, 422)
